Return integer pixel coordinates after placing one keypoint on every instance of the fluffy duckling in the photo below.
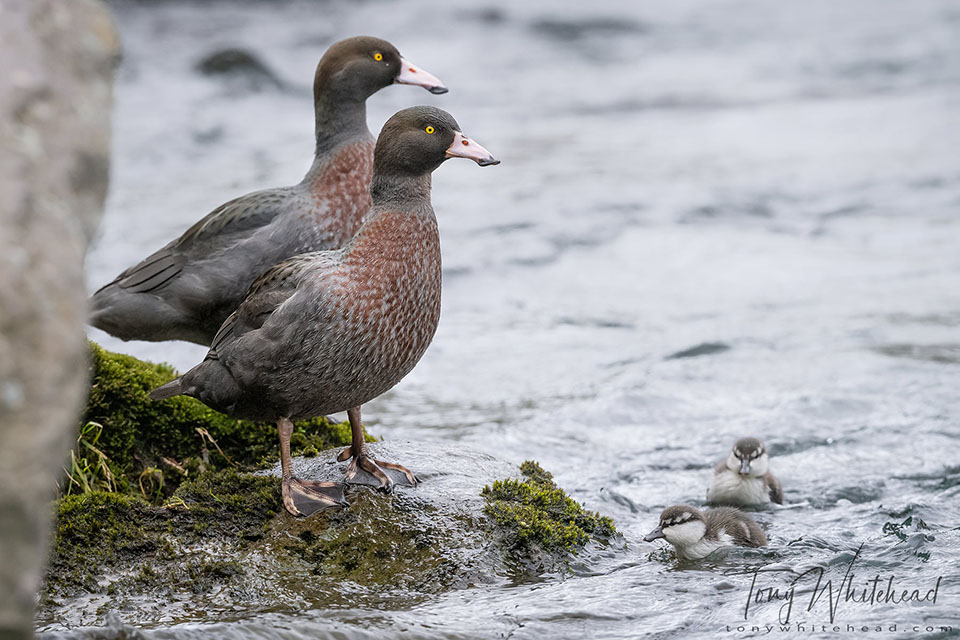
(744, 478)
(696, 534)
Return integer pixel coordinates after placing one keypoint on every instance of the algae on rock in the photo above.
(166, 441)
(537, 515)
(102, 534)
(223, 540)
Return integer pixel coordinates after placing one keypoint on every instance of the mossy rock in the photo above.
(99, 533)
(537, 518)
(159, 444)
(211, 536)
(223, 540)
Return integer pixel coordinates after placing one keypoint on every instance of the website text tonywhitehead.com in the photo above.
(811, 628)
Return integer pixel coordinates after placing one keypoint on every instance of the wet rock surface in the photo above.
(222, 545)
(239, 69)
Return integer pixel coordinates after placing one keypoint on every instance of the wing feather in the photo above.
(237, 216)
(267, 293)
(776, 491)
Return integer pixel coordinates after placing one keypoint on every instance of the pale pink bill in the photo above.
(412, 74)
(464, 147)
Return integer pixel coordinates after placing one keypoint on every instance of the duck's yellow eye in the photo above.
(429, 129)
(378, 56)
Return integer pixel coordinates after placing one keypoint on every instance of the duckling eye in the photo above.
(429, 129)
(378, 56)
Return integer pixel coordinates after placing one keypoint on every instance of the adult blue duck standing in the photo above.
(187, 289)
(330, 330)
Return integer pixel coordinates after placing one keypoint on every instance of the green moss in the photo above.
(535, 473)
(209, 528)
(96, 531)
(104, 523)
(141, 435)
(228, 503)
(223, 539)
(386, 541)
(535, 512)
(112, 543)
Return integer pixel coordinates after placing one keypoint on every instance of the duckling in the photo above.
(696, 534)
(744, 478)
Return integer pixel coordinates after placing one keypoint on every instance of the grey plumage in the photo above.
(186, 289)
(774, 488)
(169, 390)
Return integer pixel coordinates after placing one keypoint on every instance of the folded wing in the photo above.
(268, 292)
(222, 226)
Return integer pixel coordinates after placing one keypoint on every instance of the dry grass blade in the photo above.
(205, 435)
(153, 476)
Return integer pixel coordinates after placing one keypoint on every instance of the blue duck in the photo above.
(327, 331)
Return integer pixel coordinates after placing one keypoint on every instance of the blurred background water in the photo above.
(713, 219)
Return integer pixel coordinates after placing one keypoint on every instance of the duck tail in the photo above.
(172, 388)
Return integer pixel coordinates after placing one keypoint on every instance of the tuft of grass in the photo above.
(535, 512)
(89, 467)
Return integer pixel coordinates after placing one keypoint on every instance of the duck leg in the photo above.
(358, 452)
(303, 497)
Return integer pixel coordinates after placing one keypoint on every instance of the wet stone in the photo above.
(223, 540)
(242, 70)
(703, 349)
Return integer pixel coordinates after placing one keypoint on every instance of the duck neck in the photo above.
(339, 119)
(391, 190)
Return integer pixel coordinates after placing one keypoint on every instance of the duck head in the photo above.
(680, 526)
(417, 140)
(749, 458)
(358, 67)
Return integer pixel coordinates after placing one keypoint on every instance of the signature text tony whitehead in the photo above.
(877, 591)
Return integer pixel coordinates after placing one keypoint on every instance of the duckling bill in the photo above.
(696, 534)
(744, 478)
(328, 331)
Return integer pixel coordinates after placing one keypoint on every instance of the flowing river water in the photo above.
(712, 219)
